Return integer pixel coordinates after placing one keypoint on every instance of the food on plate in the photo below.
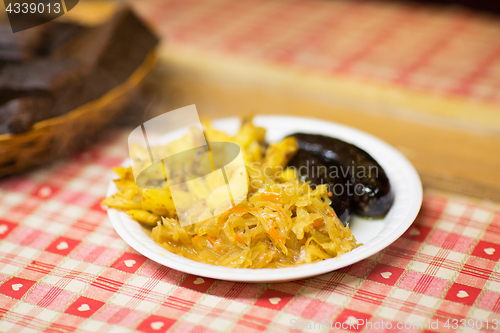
(312, 169)
(372, 194)
(283, 221)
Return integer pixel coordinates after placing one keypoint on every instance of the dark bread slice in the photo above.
(109, 53)
(19, 115)
(83, 65)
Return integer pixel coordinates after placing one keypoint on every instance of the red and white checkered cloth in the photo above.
(63, 268)
(440, 51)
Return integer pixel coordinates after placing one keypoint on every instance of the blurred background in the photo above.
(422, 75)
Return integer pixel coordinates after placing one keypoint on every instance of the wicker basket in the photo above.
(62, 135)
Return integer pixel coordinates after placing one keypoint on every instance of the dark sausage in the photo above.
(371, 190)
(312, 169)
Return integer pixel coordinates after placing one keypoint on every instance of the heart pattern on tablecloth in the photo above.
(157, 325)
(199, 281)
(45, 192)
(489, 251)
(16, 286)
(84, 307)
(130, 262)
(275, 300)
(62, 246)
(414, 232)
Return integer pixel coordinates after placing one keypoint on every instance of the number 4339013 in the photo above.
(33, 8)
(472, 324)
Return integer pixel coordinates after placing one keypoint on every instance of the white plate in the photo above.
(375, 235)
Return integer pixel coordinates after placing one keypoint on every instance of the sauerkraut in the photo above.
(282, 222)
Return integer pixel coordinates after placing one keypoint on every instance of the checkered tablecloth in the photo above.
(440, 51)
(63, 268)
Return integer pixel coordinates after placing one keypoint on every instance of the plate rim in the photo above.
(169, 259)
